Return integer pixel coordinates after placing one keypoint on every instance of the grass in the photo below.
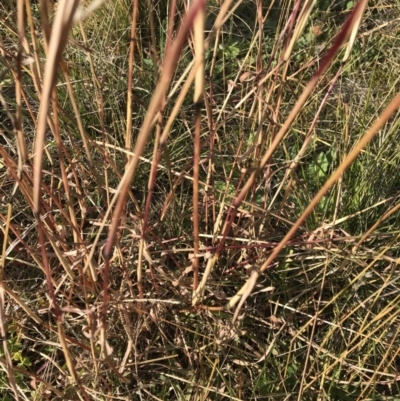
(183, 228)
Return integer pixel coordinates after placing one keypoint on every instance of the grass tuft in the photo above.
(199, 201)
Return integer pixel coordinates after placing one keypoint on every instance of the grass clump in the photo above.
(199, 202)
